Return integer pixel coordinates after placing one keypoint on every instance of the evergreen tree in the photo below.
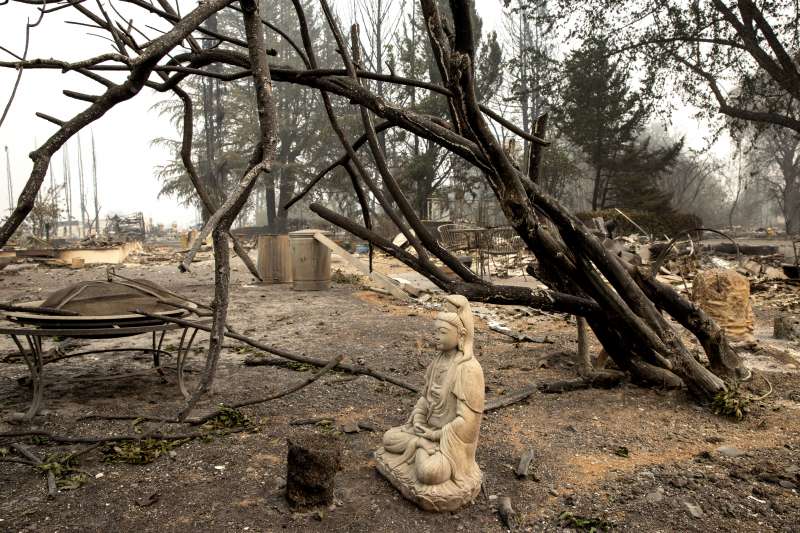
(635, 184)
(605, 118)
(225, 124)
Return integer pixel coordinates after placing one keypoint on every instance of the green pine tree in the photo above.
(604, 117)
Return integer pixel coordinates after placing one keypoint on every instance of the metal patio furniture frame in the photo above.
(33, 357)
(485, 243)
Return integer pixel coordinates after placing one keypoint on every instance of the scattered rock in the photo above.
(693, 485)
(728, 509)
(351, 427)
(524, 464)
(679, 482)
(786, 484)
(647, 474)
(622, 451)
(695, 510)
(769, 477)
(367, 425)
(149, 500)
(729, 451)
(738, 473)
(656, 496)
(703, 456)
(786, 327)
(507, 513)
(761, 491)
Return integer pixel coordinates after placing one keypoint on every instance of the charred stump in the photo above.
(312, 462)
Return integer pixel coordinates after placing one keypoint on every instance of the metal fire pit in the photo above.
(98, 310)
(82, 325)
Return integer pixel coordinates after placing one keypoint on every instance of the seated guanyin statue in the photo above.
(431, 458)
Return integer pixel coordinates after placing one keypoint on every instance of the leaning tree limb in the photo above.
(343, 161)
(364, 203)
(191, 170)
(724, 360)
(421, 231)
(498, 294)
(352, 369)
(357, 164)
(226, 214)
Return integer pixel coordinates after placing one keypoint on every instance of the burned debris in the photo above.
(602, 354)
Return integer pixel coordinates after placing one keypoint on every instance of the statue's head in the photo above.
(450, 332)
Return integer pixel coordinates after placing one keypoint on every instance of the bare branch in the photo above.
(341, 161)
(80, 96)
(222, 219)
(725, 107)
(48, 118)
(421, 231)
(140, 69)
(498, 294)
(191, 170)
(28, 27)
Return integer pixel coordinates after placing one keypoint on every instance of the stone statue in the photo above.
(431, 458)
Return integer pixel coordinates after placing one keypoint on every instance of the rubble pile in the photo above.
(155, 254)
(679, 262)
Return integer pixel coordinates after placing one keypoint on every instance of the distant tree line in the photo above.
(607, 93)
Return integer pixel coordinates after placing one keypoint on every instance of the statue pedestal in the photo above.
(447, 496)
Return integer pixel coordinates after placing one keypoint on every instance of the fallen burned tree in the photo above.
(622, 306)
